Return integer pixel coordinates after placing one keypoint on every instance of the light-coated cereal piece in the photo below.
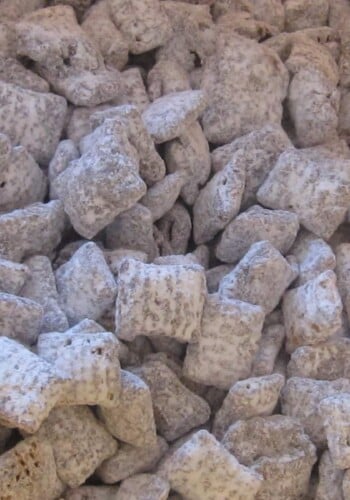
(277, 448)
(159, 300)
(152, 167)
(47, 36)
(131, 418)
(99, 26)
(65, 153)
(313, 105)
(85, 285)
(143, 23)
(330, 479)
(261, 277)
(301, 14)
(130, 460)
(253, 397)
(314, 256)
(169, 116)
(240, 73)
(133, 89)
(79, 442)
(190, 152)
(36, 124)
(32, 230)
(214, 275)
(194, 25)
(161, 197)
(335, 412)
(279, 227)
(203, 469)
(220, 200)
(12, 276)
(29, 387)
(312, 312)
(176, 409)
(133, 229)
(343, 274)
(143, 487)
(106, 177)
(300, 398)
(92, 493)
(20, 318)
(326, 361)
(228, 343)
(262, 148)
(12, 71)
(269, 347)
(316, 189)
(176, 226)
(41, 288)
(89, 363)
(28, 470)
(165, 77)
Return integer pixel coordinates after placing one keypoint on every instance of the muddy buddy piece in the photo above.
(65, 56)
(85, 285)
(130, 460)
(131, 418)
(330, 479)
(133, 229)
(176, 226)
(36, 229)
(161, 197)
(99, 27)
(22, 182)
(279, 227)
(12, 71)
(230, 334)
(301, 398)
(173, 297)
(144, 487)
(176, 409)
(261, 148)
(313, 255)
(327, 361)
(29, 471)
(143, 23)
(36, 124)
(261, 277)
(242, 72)
(168, 117)
(219, 201)
(80, 443)
(316, 189)
(253, 397)
(65, 153)
(26, 400)
(190, 152)
(312, 312)
(12, 276)
(89, 363)
(20, 318)
(41, 287)
(133, 89)
(277, 448)
(166, 77)
(270, 344)
(203, 469)
(106, 177)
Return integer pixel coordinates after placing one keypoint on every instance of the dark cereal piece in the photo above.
(79, 442)
(164, 300)
(25, 401)
(177, 410)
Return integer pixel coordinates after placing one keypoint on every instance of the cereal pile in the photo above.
(174, 250)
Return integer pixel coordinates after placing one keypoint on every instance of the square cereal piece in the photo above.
(159, 300)
(29, 387)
